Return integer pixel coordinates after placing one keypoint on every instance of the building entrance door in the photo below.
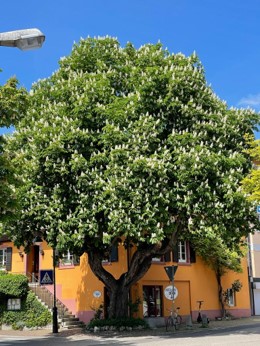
(152, 301)
(33, 264)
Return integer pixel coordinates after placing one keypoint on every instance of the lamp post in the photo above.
(37, 241)
(25, 39)
(54, 309)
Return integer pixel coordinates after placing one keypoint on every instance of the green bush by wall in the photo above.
(13, 285)
(32, 314)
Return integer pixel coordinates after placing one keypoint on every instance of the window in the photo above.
(6, 259)
(152, 301)
(164, 258)
(113, 255)
(3, 258)
(230, 297)
(14, 304)
(182, 251)
(69, 259)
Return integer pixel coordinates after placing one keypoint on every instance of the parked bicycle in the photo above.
(174, 320)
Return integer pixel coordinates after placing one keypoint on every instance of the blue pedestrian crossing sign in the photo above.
(258, 209)
(46, 277)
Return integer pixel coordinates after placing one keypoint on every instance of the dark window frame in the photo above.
(149, 297)
(8, 261)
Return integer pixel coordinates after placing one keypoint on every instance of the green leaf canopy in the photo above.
(130, 142)
(13, 105)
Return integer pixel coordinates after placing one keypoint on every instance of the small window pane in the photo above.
(231, 297)
(67, 259)
(3, 258)
(182, 253)
(14, 304)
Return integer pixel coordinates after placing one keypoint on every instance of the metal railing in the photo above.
(43, 294)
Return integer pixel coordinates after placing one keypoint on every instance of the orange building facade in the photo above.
(79, 289)
(254, 270)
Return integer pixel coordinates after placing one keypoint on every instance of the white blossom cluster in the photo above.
(130, 142)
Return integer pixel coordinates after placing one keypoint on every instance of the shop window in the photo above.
(6, 259)
(152, 301)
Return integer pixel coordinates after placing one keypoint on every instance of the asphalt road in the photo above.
(232, 336)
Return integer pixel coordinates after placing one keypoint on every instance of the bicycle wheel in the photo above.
(177, 321)
(169, 324)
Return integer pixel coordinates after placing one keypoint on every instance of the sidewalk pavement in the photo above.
(213, 325)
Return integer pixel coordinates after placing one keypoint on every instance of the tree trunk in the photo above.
(220, 294)
(119, 298)
(118, 289)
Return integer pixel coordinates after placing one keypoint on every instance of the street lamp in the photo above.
(25, 39)
(54, 309)
(37, 241)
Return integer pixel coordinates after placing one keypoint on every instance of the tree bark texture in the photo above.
(220, 293)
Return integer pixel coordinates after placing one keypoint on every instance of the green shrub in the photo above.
(98, 312)
(32, 314)
(13, 318)
(37, 315)
(13, 285)
(134, 306)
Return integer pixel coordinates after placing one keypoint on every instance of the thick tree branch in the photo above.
(95, 261)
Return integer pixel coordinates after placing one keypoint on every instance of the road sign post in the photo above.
(170, 271)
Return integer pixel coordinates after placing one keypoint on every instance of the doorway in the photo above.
(33, 264)
(152, 301)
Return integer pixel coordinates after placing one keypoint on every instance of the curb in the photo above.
(196, 328)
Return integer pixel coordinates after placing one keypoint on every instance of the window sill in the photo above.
(178, 263)
(107, 263)
(66, 266)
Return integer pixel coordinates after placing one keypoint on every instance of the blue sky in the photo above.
(224, 33)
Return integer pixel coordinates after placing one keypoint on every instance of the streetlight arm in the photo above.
(23, 39)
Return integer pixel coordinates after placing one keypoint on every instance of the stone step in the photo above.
(70, 319)
(75, 326)
(66, 319)
(72, 323)
(74, 329)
